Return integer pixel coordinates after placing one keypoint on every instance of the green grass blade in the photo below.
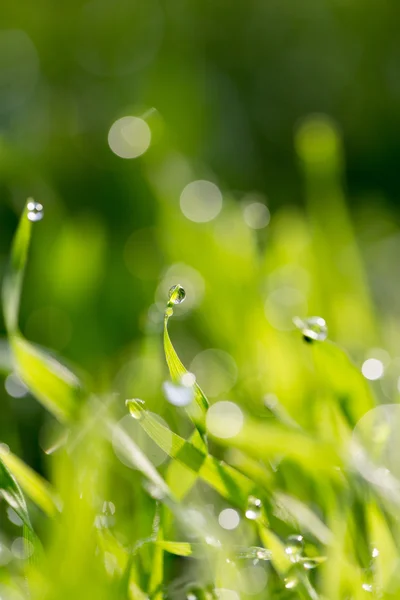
(261, 440)
(230, 483)
(140, 460)
(12, 286)
(32, 484)
(55, 386)
(177, 548)
(12, 494)
(157, 571)
(227, 481)
(306, 519)
(197, 409)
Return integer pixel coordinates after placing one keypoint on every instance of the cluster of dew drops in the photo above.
(34, 210)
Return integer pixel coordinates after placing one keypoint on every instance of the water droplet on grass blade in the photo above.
(35, 210)
(367, 587)
(254, 508)
(375, 552)
(176, 294)
(290, 582)
(108, 508)
(212, 541)
(136, 408)
(254, 552)
(313, 328)
(294, 547)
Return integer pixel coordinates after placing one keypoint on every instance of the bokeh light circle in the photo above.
(256, 215)
(224, 419)
(372, 369)
(229, 518)
(129, 137)
(215, 370)
(201, 201)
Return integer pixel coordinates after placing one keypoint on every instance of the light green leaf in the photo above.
(305, 517)
(261, 440)
(33, 485)
(197, 409)
(51, 383)
(12, 286)
(230, 483)
(133, 453)
(177, 548)
(55, 386)
(13, 495)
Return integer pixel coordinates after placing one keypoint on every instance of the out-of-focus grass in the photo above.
(256, 485)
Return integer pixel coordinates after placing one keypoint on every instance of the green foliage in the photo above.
(140, 507)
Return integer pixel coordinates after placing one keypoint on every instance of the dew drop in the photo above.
(294, 547)
(254, 508)
(176, 294)
(101, 522)
(254, 552)
(367, 587)
(313, 328)
(212, 541)
(136, 408)
(169, 312)
(108, 508)
(375, 552)
(35, 210)
(290, 582)
(263, 554)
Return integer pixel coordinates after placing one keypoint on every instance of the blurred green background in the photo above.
(223, 88)
(291, 109)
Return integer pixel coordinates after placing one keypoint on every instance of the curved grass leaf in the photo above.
(12, 286)
(13, 495)
(33, 485)
(231, 484)
(261, 440)
(198, 409)
(227, 481)
(339, 375)
(57, 388)
(133, 453)
(305, 517)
